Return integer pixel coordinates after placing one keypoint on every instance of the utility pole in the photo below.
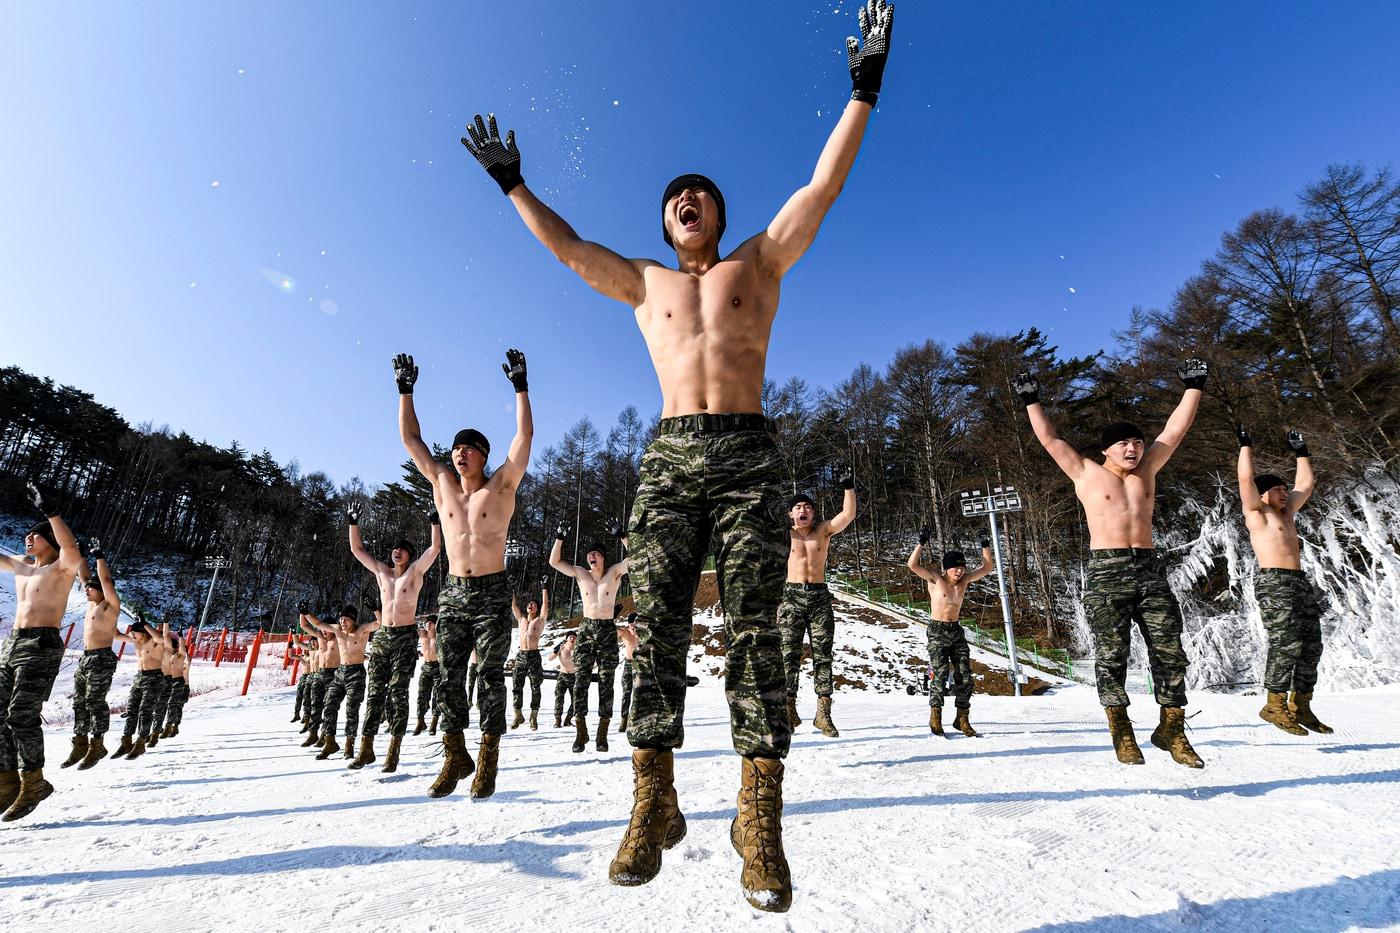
(216, 564)
(1002, 499)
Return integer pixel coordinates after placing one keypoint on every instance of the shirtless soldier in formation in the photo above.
(527, 660)
(714, 468)
(564, 679)
(806, 606)
(948, 654)
(474, 604)
(1127, 578)
(396, 647)
(91, 713)
(348, 684)
(30, 657)
(596, 643)
(1287, 599)
(168, 679)
(327, 663)
(429, 679)
(179, 690)
(151, 647)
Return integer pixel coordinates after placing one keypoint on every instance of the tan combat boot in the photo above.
(1170, 736)
(421, 726)
(137, 750)
(1276, 711)
(1120, 727)
(366, 755)
(350, 745)
(1301, 705)
(657, 823)
(174, 731)
(80, 747)
(32, 789)
(794, 720)
(823, 721)
(312, 738)
(963, 724)
(518, 719)
(456, 765)
(757, 835)
(534, 720)
(580, 733)
(484, 784)
(432, 726)
(95, 753)
(391, 757)
(9, 789)
(124, 748)
(329, 746)
(558, 722)
(935, 720)
(152, 740)
(601, 740)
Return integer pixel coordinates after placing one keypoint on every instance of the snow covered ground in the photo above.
(1033, 827)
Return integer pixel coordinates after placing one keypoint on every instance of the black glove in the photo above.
(501, 160)
(95, 549)
(303, 608)
(561, 531)
(40, 503)
(1242, 435)
(984, 540)
(924, 534)
(616, 530)
(514, 368)
(352, 515)
(405, 373)
(867, 59)
(433, 517)
(846, 478)
(1193, 372)
(1027, 388)
(1300, 446)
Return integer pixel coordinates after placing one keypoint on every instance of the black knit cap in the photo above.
(404, 544)
(1266, 481)
(45, 531)
(473, 439)
(800, 498)
(350, 613)
(1119, 431)
(953, 559)
(680, 183)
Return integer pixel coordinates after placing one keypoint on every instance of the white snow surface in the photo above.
(1033, 827)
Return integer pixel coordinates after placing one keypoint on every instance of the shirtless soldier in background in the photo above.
(564, 682)
(596, 643)
(713, 468)
(429, 678)
(348, 684)
(179, 690)
(92, 715)
(474, 604)
(327, 663)
(151, 646)
(1127, 578)
(948, 654)
(396, 650)
(30, 657)
(806, 606)
(527, 660)
(1287, 600)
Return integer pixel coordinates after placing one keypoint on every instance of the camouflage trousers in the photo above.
(91, 681)
(527, 665)
(596, 647)
(562, 687)
(316, 697)
(427, 685)
(179, 696)
(347, 686)
(626, 688)
(167, 686)
(806, 609)
(474, 615)
(1126, 586)
(301, 696)
(141, 702)
(376, 682)
(703, 476)
(29, 663)
(949, 664)
(1293, 620)
(389, 677)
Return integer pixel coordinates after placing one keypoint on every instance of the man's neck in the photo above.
(697, 262)
(471, 482)
(1116, 470)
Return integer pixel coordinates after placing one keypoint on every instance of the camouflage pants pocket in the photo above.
(30, 666)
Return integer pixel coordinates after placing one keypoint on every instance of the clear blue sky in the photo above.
(1123, 137)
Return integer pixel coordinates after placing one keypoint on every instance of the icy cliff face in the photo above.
(1349, 551)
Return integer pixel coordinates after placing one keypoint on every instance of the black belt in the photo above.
(1287, 570)
(473, 582)
(1123, 552)
(35, 632)
(807, 586)
(91, 651)
(402, 629)
(706, 423)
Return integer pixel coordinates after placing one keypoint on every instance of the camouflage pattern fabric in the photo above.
(427, 685)
(596, 646)
(316, 696)
(141, 702)
(1293, 620)
(1127, 585)
(807, 611)
(527, 665)
(29, 663)
(376, 681)
(347, 686)
(474, 614)
(301, 695)
(563, 686)
(949, 660)
(91, 681)
(704, 475)
(179, 696)
(401, 651)
(167, 684)
(626, 688)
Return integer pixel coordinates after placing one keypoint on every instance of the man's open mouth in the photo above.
(689, 216)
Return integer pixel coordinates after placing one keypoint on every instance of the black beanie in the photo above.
(680, 183)
(1119, 431)
(799, 498)
(405, 544)
(1266, 481)
(349, 613)
(953, 559)
(45, 531)
(473, 439)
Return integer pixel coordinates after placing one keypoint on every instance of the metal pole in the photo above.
(207, 600)
(1015, 669)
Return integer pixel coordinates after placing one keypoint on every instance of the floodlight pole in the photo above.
(218, 563)
(1001, 499)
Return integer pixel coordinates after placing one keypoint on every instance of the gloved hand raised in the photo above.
(845, 477)
(561, 531)
(514, 368)
(405, 373)
(352, 515)
(1297, 444)
(433, 517)
(1193, 372)
(501, 160)
(924, 533)
(95, 549)
(40, 503)
(1242, 435)
(867, 58)
(1027, 388)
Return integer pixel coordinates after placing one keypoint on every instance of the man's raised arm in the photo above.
(795, 227)
(842, 519)
(104, 574)
(406, 374)
(357, 544)
(1303, 479)
(915, 559)
(1027, 389)
(544, 605)
(512, 471)
(1193, 373)
(604, 270)
(1244, 471)
(425, 560)
(69, 556)
(556, 553)
(988, 560)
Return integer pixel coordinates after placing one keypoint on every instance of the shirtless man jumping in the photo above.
(168, 679)
(429, 678)
(474, 605)
(348, 685)
(396, 649)
(151, 646)
(1127, 579)
(30, 657)
(327, 664)
(91, 714)
(527, 660)
(806, 606)
(179, 690)
(714, 468)
(1286, 597)
(948, 654)
(564, 679)
(596, 644)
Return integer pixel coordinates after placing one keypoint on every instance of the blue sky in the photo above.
(1122, 137)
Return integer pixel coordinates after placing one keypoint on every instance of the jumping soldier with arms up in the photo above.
(151, 647)
(92, 715)
(531, 624)
(429, 678)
